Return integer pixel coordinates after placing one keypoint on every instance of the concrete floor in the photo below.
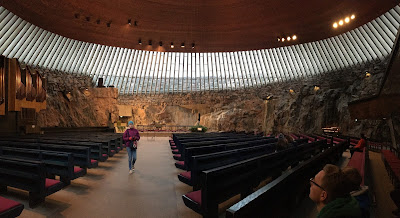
(153, 190)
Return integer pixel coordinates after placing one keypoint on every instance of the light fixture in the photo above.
(160, 43)
(347, 19)
(291, 91)
(150, 42)
(193, 45)
(140, 41)
(172, 45)
(182, 45)
(279, 39)
(356, 120)
(335, 25)
(129, 22)
(288, 38)
(341, 22)
(367, 74)
(283, 39)
(352, 17)
(316, 88)
(294, 37)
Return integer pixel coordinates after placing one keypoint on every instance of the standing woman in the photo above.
(131, 137)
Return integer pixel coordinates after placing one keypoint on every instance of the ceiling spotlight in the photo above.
(283, 39)
(140, 41)
(109, 24)
(160, 43)
(347, 19)
(341, 22)
(172, 45)
(288, 38)
(182, 45)
(294, 37)
(193, 45)
(335, 25)
(352, 17)
(130, 22)
(367, 74)
(279, 39)
(150, 42)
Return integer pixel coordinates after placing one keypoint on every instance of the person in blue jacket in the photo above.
(131, 137)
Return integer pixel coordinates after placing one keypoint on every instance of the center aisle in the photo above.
(153, 190)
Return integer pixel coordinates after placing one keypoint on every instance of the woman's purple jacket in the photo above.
(134, 133)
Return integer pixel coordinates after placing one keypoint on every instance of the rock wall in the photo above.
(272, 108)
(72, 101)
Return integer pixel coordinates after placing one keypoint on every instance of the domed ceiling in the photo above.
(209, 25)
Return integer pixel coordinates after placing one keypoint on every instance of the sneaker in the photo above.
(130, 171)
(133, 169)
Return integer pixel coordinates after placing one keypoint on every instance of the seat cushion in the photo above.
(177, 155)
(195, 196)
(187, 174)
(7, 204)
(51, 182)
(77, 169)
(104, 155)
(93, 161)
(180, 163)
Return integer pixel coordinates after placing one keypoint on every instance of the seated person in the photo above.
(330, 190)
(360, 145)
(360, 193)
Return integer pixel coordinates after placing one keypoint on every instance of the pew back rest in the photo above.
(19, 173)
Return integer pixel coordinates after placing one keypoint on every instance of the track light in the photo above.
(294, 37)
(341, 22)
(193, 45)
(150, 42)
(335, 25)
(129, 22)
(140, 41)
(182, 45)
(172, 45)
(279, 39)
(283, 39)
(352, 17)
(288, 38)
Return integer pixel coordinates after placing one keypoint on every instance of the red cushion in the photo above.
(180, 163)
(173, 147)
(93, 161)
(112, 151)
(7, 204)
(104, 155)
(186, 174)
(77, 169)
(195, 196)
(177, 155)
(175, 150)
(51, 182)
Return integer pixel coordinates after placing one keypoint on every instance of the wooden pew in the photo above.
(222, 183)
(279, 197)
(192, 151)
(57, 163)
(29, 176)
(81, 154)
(10, 208)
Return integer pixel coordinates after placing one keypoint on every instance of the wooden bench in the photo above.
(10, 208)
(192, 151)
(29, 176)
(279, 197)
(222, 183)
(57, 163)
(81, 154)
(358, 161)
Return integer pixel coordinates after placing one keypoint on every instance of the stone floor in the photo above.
(153, 190)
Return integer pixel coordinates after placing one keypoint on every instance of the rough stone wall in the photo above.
(272, 108)
(73, 102)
